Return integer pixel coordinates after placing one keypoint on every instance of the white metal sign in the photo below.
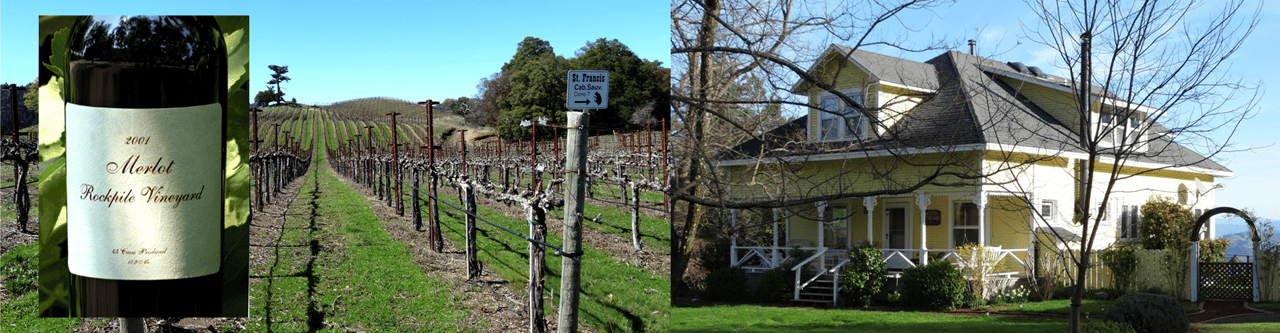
(588, 90)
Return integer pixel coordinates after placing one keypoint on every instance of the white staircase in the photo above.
(823, 287)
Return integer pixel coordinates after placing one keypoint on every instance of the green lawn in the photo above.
(751, 318)
(1063, 307)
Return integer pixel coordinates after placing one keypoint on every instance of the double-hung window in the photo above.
(838, 120)
(1129, 222)
(964, 228)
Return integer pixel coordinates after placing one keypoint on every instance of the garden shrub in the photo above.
(937, 286)
(1122, 260)
(976, 262)
(726, 284)
(1150, 313)
(1165, 224)
(1214, 250)
(776, 285)
(864, 274)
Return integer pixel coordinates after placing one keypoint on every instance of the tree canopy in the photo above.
(532, 85)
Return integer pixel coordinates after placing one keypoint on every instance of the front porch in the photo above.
(909, 230)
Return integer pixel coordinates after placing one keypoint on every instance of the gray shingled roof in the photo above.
(885, 68)
(970, 105)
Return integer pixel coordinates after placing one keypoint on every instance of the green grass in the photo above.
(1237, 328)
(655, 234)
(20, 314)
(1063, 307)
(339, 267)
(751, 318)
(1268, 306)
(613, 296)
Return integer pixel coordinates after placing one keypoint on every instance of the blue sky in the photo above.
(415, 50)
(998, 28)
(341, 50)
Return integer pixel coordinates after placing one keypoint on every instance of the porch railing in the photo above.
(902, 258)
(769, 257)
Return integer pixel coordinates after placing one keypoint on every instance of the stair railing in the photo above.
(798, 270)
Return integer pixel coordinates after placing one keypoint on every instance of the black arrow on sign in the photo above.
(585, 101)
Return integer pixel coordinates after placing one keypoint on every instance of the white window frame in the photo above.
(1130, 218)
(856, 122)
(829, 212)
(1052, 205)
(1115, 132)
(955, 217)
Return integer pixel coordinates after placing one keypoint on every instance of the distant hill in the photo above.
(379, 107)
(1240, 243)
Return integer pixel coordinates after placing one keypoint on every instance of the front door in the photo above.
(897, 238)
(897, 235)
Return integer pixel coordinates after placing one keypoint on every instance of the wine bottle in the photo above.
(145, 158)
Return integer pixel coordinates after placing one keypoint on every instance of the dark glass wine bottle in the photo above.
(145, 115)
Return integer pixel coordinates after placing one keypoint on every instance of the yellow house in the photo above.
(996, 143)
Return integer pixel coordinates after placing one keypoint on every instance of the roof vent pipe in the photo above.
(972, 45)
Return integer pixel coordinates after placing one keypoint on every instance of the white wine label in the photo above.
(144, 192)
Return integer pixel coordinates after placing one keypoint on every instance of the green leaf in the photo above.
(55, 278)
(52, 129)
(58, 56)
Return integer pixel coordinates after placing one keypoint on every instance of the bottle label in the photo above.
(144, 192)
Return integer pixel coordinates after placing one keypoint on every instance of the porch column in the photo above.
(980, 200)
(733, 238)
(773, 255)
(870, 203)
(1031, 232)
(922, 200)
(822, 207)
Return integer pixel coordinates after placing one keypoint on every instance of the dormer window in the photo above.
(839, 121)
(1118, 129)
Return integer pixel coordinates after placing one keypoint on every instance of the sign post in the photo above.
(587, 90)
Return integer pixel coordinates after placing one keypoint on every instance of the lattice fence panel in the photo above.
(1226, 280)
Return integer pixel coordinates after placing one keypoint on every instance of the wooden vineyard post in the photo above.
(369, 140)
(537, 216)
(387, 182)
(395, 163)
(635, 214)
(355, 168)
(469, 203)
(21, 200)
(433, 213)
(473, 264)
(571, 265)
(256, 166)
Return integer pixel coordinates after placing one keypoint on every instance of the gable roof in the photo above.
(968, 104)
(885, 69)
